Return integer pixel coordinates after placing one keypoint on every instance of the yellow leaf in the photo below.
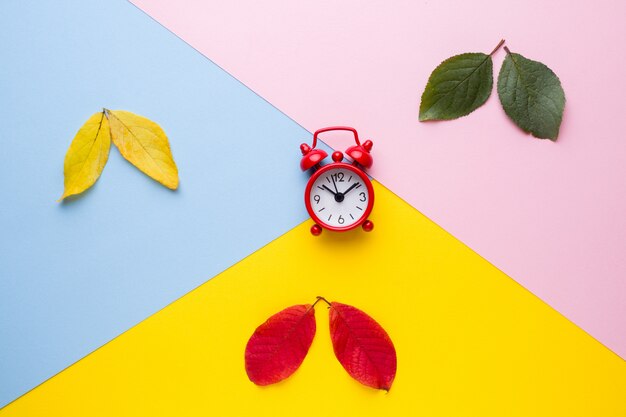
(144, 144)
(87, 155)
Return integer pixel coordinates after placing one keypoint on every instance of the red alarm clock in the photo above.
(339, 196)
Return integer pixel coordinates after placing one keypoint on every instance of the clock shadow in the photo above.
(353, 238)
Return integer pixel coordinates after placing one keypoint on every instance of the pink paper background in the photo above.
(551, 215)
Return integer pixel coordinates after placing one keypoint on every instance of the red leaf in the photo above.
(362, 346)
(278, 346)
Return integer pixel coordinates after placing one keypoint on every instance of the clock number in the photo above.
(363, 198)
(317, 198)
(338, 176)
(341, 220)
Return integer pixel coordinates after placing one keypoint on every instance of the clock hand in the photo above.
(335, 184)
(328, 189)
(351, 187)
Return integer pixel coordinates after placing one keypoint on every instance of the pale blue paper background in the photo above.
(75, 275)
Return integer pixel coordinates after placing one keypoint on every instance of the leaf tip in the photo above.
(66, 194)
(173, 184)
(429, 118)
(424, 116)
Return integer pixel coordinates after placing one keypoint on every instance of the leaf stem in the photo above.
(508, 51)
(498, 47)
(320, 298)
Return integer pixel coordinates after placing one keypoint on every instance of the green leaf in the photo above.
(531, 95)
(457, 87)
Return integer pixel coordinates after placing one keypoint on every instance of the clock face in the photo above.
(340, 197)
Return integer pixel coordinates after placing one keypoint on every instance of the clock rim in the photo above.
(339, 165)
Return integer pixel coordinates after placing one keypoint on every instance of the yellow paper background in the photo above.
(470, 341)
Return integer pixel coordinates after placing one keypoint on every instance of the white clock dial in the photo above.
(339, 197)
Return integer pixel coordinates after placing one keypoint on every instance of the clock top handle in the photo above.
(328, 129)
